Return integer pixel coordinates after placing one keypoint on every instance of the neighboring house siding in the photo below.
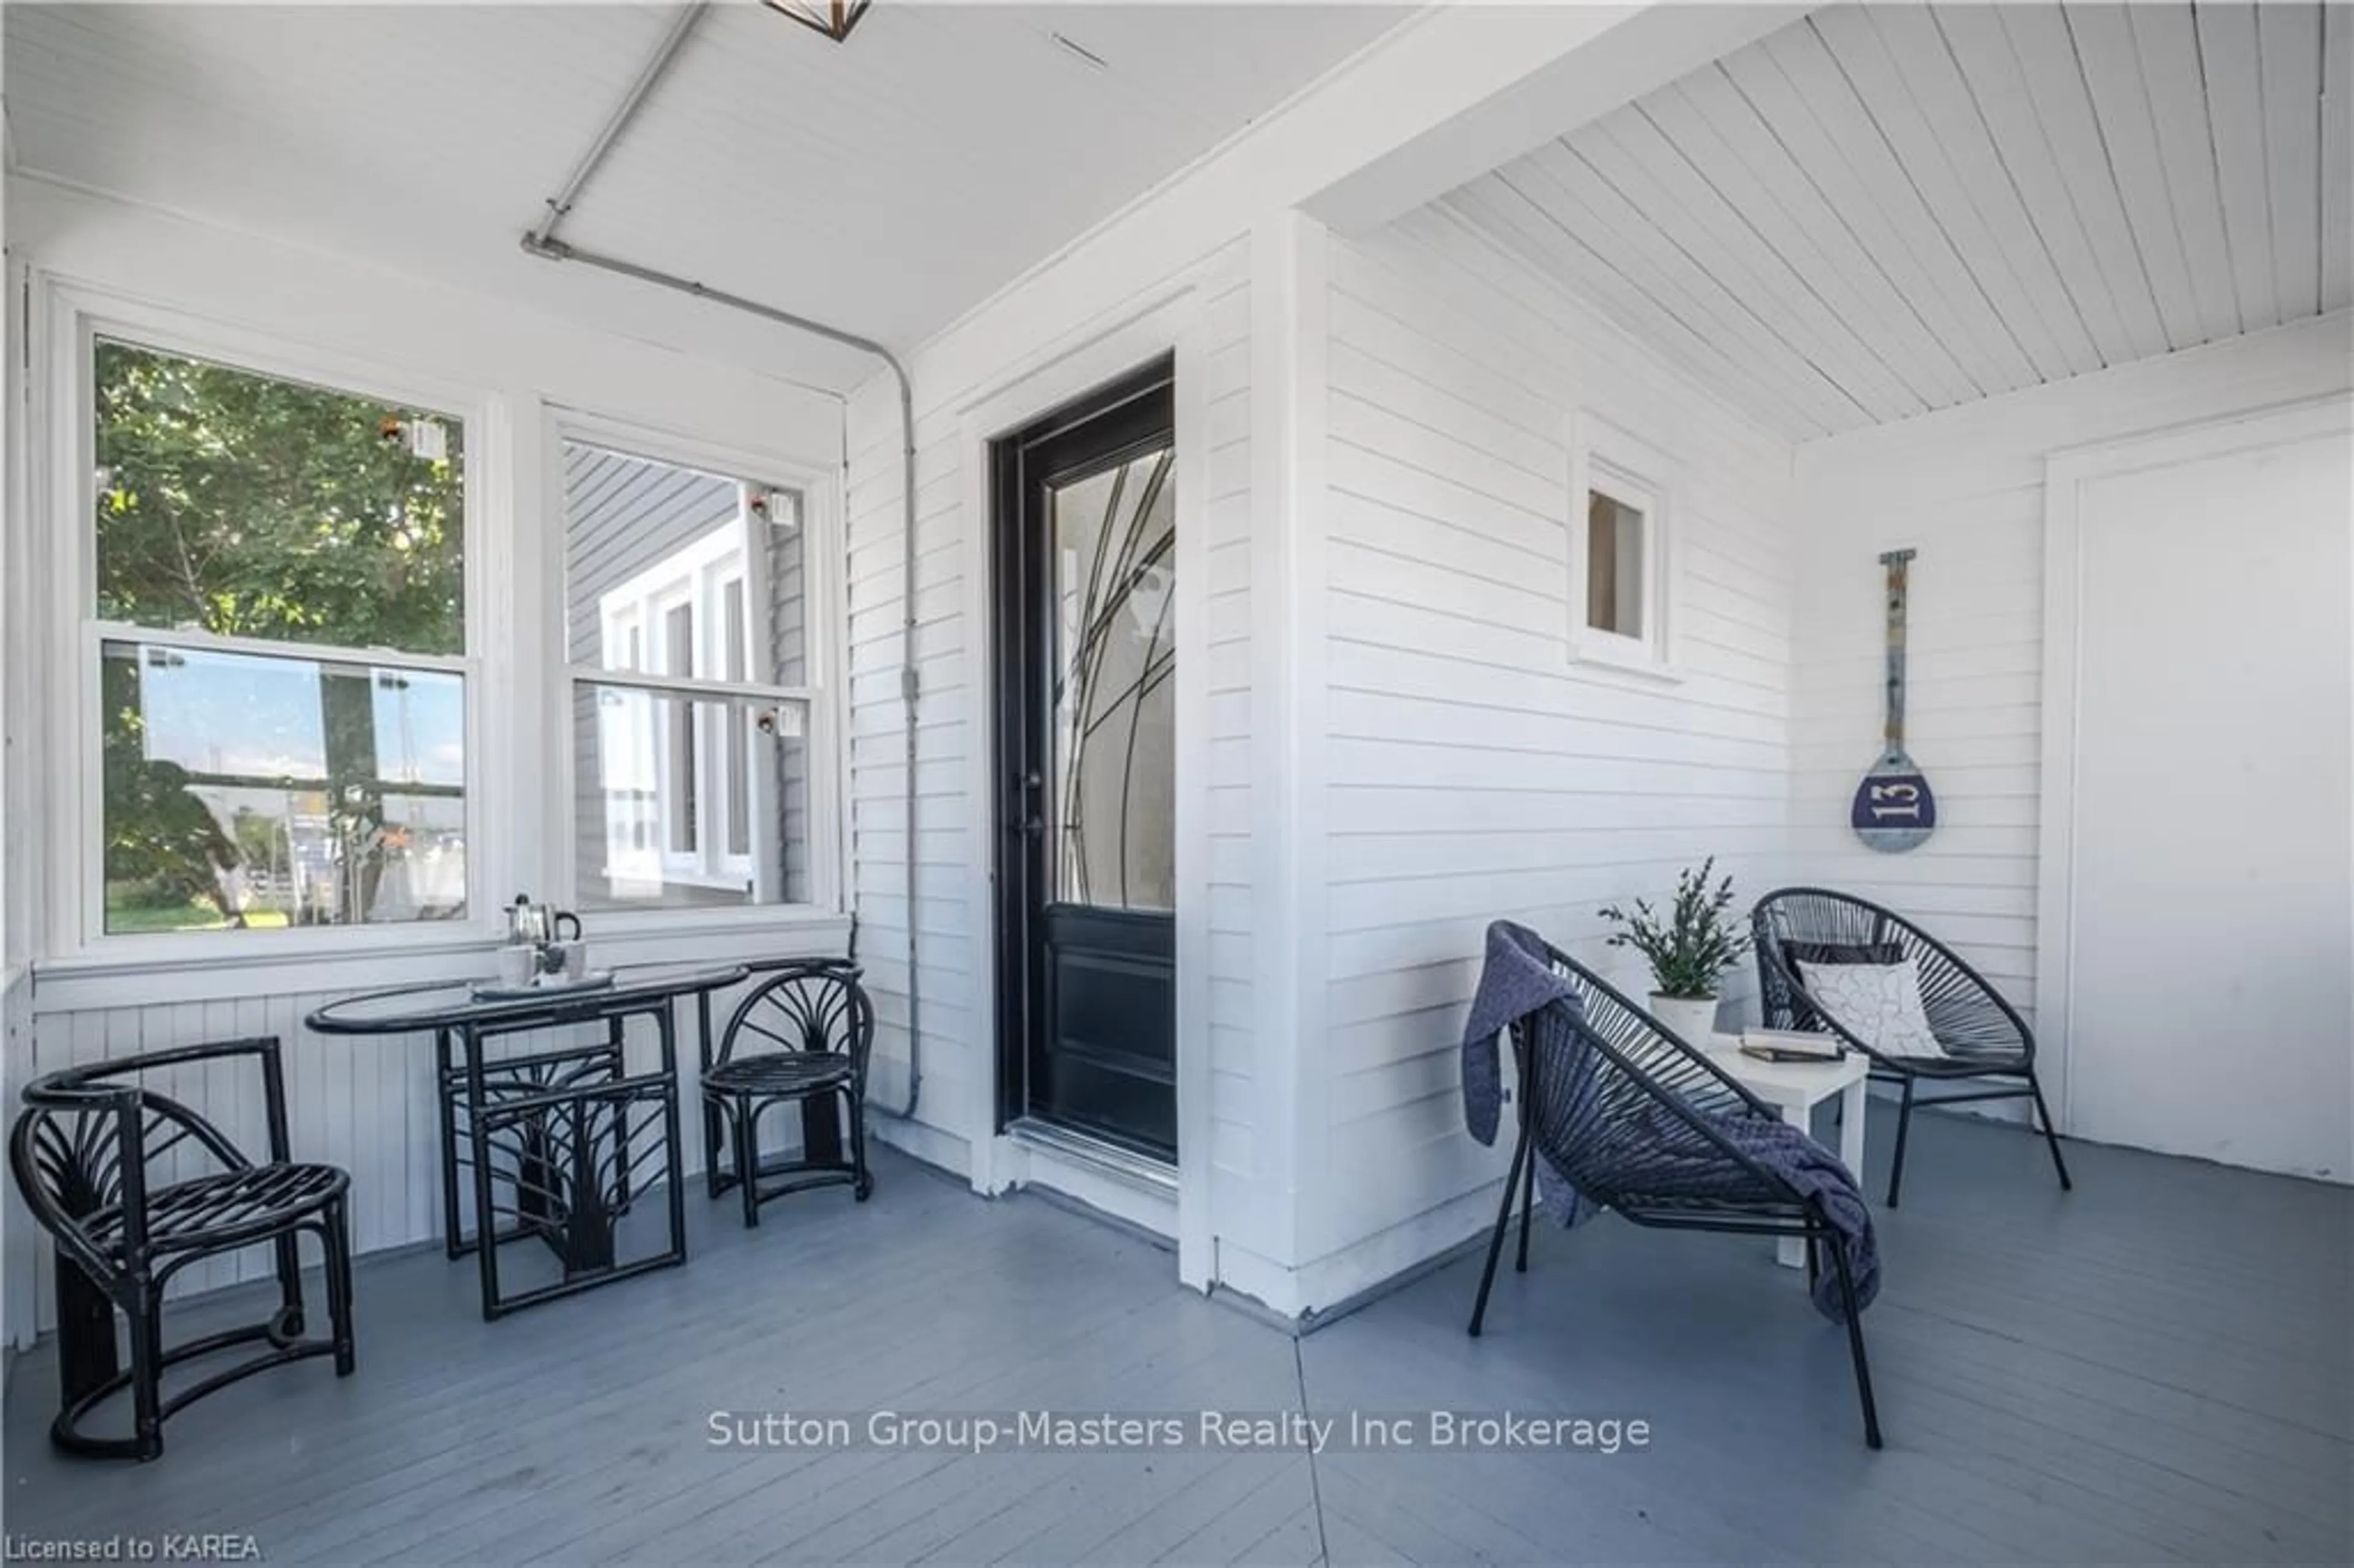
(1472, 771)
(1965, 488)
(621, 515)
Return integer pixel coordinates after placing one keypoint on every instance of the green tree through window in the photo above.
(243, 505)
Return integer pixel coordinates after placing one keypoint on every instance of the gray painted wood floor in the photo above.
(2155, 1369)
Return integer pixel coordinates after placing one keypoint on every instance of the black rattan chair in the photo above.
(801, 1036)
(1623, 1110)
(83, 1152)
(1983, 1035)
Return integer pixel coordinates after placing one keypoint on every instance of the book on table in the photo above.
(1790, 1045)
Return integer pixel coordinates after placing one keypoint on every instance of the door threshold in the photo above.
(1121, 1164)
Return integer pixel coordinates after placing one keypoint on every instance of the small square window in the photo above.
(1619, 550)
(1614, 564)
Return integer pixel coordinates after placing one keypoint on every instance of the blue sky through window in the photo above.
(260, 716)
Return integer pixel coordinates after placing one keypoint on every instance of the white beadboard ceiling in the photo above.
(886, 184)
(1881, 210)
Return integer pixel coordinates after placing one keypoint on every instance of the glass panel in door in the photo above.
(1114, 653)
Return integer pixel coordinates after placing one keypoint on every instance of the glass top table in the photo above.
(453, 1005)
(557, 1138)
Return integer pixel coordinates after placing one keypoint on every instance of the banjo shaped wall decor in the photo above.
(1894, 810)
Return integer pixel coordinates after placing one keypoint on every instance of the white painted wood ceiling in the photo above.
(1881, 210)
(886, 184)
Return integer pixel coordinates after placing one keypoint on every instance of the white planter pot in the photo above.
(1691, 1020)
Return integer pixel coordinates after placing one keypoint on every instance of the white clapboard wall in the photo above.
(1966, 489)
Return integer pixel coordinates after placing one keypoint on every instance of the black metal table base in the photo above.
(558, 1145)
(563, 1121)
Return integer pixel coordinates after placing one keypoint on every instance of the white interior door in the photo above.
(2211, 956)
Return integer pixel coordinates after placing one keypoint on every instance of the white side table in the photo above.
(1795, 1088)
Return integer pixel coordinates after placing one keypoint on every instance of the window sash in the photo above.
(104, 631)
(719, 572)
(66, 324)
(708, 860)
(689, 685)
(77, 399)
(112, 642)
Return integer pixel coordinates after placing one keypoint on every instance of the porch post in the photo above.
(1289, 391)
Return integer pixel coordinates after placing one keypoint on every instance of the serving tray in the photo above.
(491, 991)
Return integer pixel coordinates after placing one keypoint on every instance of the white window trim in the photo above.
(1605, 458)
(824, 701)
(60, 554)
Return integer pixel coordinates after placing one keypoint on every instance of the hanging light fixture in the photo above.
(834, 19)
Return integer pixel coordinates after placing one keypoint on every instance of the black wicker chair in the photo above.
(821, 1024)
(82, 1152)
(1629, 1126)
(1983, 1035)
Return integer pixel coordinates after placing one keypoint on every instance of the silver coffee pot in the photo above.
(537, 925)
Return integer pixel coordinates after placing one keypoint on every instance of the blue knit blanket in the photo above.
(1517, 980)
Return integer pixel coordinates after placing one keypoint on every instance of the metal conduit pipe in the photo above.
(560, 204)
(541, 241)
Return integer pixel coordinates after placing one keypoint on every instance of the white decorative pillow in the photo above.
(1880, 1004)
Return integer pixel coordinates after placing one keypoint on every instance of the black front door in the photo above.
(1084, 570)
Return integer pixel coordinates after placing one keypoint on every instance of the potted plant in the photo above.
(1689, 951)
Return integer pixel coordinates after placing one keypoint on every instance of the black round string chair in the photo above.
(1982, 1035)
(1623, 1109)
(801, 1036)
(83, 1154)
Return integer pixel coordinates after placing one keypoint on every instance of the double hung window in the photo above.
(689, 672)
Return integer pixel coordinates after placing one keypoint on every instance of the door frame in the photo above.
(1021, 912)
(2066, 472)
(1170, 322)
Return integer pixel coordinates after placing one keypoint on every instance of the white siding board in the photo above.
(1899, 62)
(1494, 205)
(2228, 63)
(1628, 148)
(1573, 183)
(1817, 105)
(2289, 55)
(2110, 63)
(1999, 89)
(1709, 119)
(2336, 158)
(1891, 243)
(2167, 43)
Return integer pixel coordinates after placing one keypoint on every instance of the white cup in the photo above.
(518, 964)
